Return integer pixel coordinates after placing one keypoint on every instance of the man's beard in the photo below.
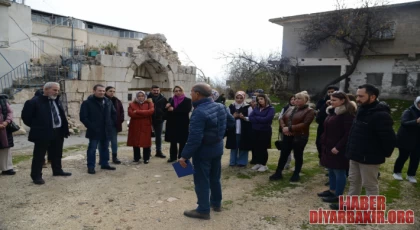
(53, 97)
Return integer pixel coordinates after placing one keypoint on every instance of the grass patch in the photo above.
(189, 188)
(392, 190)
(246, 175)
(74, 148)
(270, 219)
(397, 109)
(19, 158)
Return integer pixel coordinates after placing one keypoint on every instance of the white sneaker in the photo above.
(412, 179)
(397, 176)
(256, 167)
(263, 168)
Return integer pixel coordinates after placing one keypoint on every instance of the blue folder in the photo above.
(180, 171)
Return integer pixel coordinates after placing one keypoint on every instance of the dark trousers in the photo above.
(157, 127)
(403, 157)
(173, 150)
(207, 183)
(297, 144)
(55, 153)
(318, 144)
(262, 143)
(146, 153)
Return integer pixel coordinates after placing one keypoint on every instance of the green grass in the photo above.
(397, 109)
(74, 148)
(19, 158)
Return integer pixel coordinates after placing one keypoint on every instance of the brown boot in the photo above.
(195, 214)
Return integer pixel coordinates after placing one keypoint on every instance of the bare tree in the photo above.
(353, 30)
(201, 77)
(248, 71)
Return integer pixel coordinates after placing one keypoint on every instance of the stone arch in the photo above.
(151, 69)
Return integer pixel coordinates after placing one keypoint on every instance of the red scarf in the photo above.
(178, 100)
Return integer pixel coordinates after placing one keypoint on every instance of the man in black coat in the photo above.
(408, 137)
(321, 115)
(371, 140)
(47, 120)
(158, 117)
(98, 115)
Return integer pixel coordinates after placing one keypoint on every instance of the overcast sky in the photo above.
(202, 29)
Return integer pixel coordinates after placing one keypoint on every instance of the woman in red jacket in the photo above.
(140, 129)
(337, 126)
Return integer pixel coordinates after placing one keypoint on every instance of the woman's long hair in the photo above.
(266, 99)
(350, 108)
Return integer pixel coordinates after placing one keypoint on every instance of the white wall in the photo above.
(22, 15)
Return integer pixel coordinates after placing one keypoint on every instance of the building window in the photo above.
(129, 97)
(374, 78)
(399, 79)
(387, 33)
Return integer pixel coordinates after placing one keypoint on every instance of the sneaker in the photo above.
(397, 176)
(263, 168)
(412, 179)
(256, 167)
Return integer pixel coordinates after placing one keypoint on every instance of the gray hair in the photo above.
(51, 84)
(203, 89)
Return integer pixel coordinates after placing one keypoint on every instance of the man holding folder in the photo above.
(208, 125)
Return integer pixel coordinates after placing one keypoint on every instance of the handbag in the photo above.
(12, 127)
(279, 143)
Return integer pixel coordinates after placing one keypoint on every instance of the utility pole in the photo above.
(72, 38)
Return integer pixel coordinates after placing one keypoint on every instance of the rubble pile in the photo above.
(157, 43)
(74, 127)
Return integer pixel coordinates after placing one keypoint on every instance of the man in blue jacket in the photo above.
(208, 125)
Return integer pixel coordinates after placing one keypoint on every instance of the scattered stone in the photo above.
(75, 157)
(158, 182)
(82, 203)
(159, 202)
(111, 200)
(171, 199)
(158, 176)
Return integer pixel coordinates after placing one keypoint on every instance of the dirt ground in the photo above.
(139, 196)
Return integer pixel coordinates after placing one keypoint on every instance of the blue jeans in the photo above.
(103, 152)
(207, 181)
(157, 127)
(338, 179)
(114, 142)
(242, 159)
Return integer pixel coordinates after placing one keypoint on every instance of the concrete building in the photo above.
(30, 39)
(395, 68)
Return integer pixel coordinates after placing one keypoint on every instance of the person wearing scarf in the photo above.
(140, 112)
(239, 140)
(177, 122)
(408, 137)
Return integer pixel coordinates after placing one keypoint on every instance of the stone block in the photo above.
(119, 96)
(75, 86)
(17, 109)
(129, 75)
(122, 86)
(74, 110)
(140, 60)
(75, 97)
(95, 73)
(114, 61)
(23, 96)
(114, 74)
(91, 84)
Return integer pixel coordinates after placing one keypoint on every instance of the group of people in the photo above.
(352, 140)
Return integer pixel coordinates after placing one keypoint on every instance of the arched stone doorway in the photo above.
(152, 72)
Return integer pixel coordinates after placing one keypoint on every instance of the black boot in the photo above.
(295, 177)
(160, 154)
(115, 159)
(276, 176)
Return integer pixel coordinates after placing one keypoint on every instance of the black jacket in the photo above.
(321, 107)
(99, 118)
(246, 141)
(36, 114)
(409, 132)
(371, 137)
(178, 122)
(160, 103)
